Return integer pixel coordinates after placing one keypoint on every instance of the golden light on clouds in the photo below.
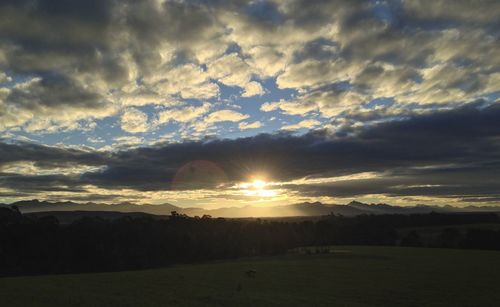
(259, 184)
(258, 187)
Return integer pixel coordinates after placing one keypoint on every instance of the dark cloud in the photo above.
(446, 181)
(448, 153)
(318, 49)
(37, 183)
(53, 92)
(43, 35)
(47, 155)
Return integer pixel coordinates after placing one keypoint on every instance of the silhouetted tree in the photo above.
(412, 239)
(43, 245)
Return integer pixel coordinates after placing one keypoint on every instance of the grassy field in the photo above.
(350, 276)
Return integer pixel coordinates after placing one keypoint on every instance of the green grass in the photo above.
(355, 276)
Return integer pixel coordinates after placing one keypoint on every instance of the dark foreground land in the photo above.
(44, 246)
(345, 276)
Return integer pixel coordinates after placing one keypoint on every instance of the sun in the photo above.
(257, 187)
(258, 184)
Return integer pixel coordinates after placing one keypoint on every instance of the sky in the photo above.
(234, 103)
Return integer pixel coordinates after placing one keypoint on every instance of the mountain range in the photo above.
(294, 210)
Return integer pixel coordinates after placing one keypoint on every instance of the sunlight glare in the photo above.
(259, 184)
(257, 187)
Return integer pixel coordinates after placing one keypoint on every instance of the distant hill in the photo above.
(295, 210)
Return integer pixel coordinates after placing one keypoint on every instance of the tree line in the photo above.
(42, 245)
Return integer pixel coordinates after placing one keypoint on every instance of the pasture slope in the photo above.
(349, 276)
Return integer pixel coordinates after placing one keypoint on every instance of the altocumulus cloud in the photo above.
(86, 60)
(407, 90)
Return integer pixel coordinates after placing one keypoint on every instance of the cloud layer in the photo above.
(124, 93)
(448, 154)
(84, 60)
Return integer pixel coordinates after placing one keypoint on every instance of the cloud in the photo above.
(91, 67)
(397, 80)
(484, 12)
(48, 155)
(4, 77)
(129, 140)
(202, 91)
(225, 116)
(188, 80)
(53, 103)
(293, 107)
(306, 123)
(183, 115)
(134, 121)
(267, 60)
(253, 89)
(231, 70)
(269, 106)
(330, 100)
(315, 73)
(94, 60)
(245, 125)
